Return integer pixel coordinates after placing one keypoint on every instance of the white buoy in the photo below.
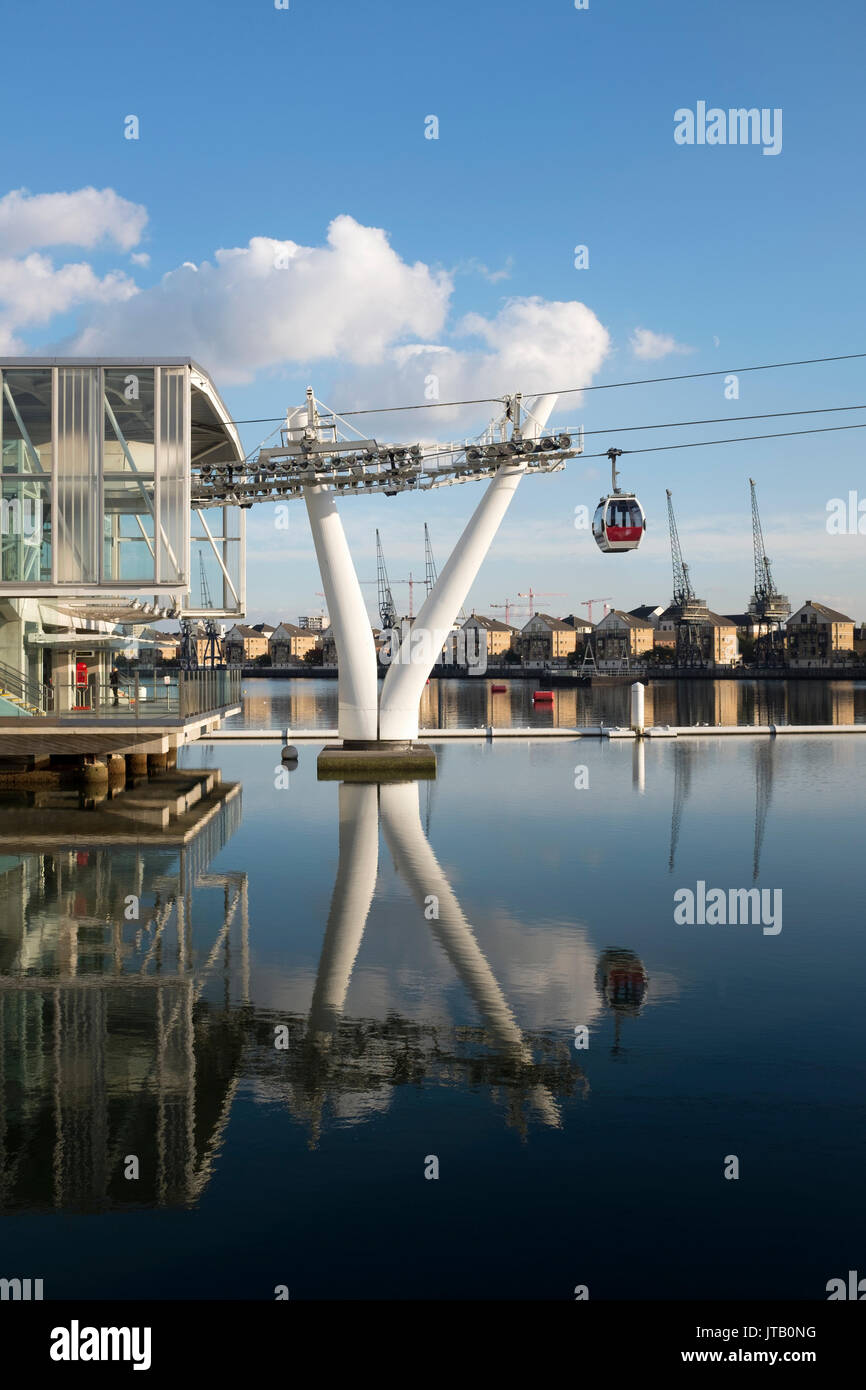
(637, 704)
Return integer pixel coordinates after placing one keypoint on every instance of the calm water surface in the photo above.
(311, 703)
(307, 915)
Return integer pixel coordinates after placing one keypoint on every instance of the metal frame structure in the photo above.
(318, 462)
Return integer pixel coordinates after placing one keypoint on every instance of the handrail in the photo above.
(38, 696)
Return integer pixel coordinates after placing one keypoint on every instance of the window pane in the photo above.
(173, 489)
(128, 549)
(25, 531)
(79, 435)
(25, 421)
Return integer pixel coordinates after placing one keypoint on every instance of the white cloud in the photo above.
(274, 302)
(651, 346)
(33, 290)
(530, 345)
(87, 218)
(140, 258)
(353, 302)
(475, 267)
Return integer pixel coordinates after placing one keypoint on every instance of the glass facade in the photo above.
(25, 490)
(129, 475)
(94, 479)
(173, 471)
(217, 563)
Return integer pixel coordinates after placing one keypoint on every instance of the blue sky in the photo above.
(555, 130)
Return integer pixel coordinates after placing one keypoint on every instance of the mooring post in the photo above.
(637, 708)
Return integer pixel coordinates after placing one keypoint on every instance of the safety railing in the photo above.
(154, 694)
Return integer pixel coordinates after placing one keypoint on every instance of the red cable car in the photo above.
(619, 521)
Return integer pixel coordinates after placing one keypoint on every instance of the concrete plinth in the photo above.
(379, 761)
(136, 764)
(93, 775)
(116, 770)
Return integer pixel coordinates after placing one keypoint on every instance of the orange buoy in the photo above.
(543, 695)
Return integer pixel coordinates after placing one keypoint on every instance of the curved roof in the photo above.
(213, 435)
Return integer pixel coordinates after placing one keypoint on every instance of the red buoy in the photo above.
(498, 689)
(543, 695)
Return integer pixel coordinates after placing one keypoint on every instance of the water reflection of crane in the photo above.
(763, 796)
(623, 983)
(682, 786)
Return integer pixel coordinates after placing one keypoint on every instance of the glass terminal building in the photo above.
(97, 457)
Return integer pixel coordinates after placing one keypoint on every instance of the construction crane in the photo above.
(509, 605)
(691, 610)
(588, 602)
(767, 605)
(532, 596)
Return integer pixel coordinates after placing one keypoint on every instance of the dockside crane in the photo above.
(212, 655)
(692, 611)
(387, 606)
(431, 574)
(767, 605)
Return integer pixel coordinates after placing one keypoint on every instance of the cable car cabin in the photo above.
(619, 522)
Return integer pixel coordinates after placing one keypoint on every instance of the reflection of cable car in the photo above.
(622, 980)
(619, 521)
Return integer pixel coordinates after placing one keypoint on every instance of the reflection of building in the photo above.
(122, 963)
(817, 633)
